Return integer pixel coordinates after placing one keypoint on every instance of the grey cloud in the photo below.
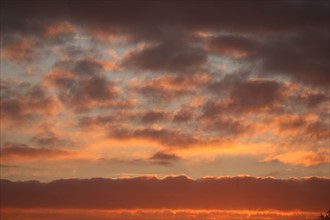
(164, 158)
(167, 57)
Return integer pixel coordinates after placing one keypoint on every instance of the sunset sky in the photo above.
(137, 108)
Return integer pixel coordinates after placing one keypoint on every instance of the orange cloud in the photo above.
(21, 50)
(110, 66)
(59, 29)
(305, 158)
(308, 125)
(237, 47)
(166, 88)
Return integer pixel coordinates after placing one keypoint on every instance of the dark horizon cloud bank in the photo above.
(172, 192)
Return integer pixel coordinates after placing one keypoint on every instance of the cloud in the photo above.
(292, 123)
(287, 39)
(163, 158)
(103, 120)
(308, 100)
(163, 136)
(301, 56)
(318, 130)
(21, 152)
(169, 87)
(153, 116)
(305, 126)
(234, 46)
(183, 115)
(305, 158)
(256, 94)
(315, 99)
(20, 51)
(143, 21)
(21, 101)
(176, 192)
(169, 75)
(60, 28)
(245, 95)
(170, 57)
(82, 86)
(226, 126)
(49, 137)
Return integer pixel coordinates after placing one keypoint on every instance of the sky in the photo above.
(209, 108)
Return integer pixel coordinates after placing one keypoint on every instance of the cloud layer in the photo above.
(118, 88)
(173, 192)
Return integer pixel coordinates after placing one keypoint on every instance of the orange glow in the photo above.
(10, 214)
(306, 158)
(59, 28)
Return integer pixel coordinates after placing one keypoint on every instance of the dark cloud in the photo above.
(163, 158)
(147, 16)
(227, 127)
(177, 192)
(153, 116)
(235, 46)
(256, 94)
(14, 152)
(88, 93)
(122, 116)
(213, 108)
(314, 99)
(303, 57)
(81, 84)
(292, 124)
(21, 102)
(49, 138)
(183, 115)
(306, 130)
(318, 130)
(167, 57)
(307, 100)
(289, 38)
(245, 95)
(164, 136)
(102, 120)
(81, 67)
